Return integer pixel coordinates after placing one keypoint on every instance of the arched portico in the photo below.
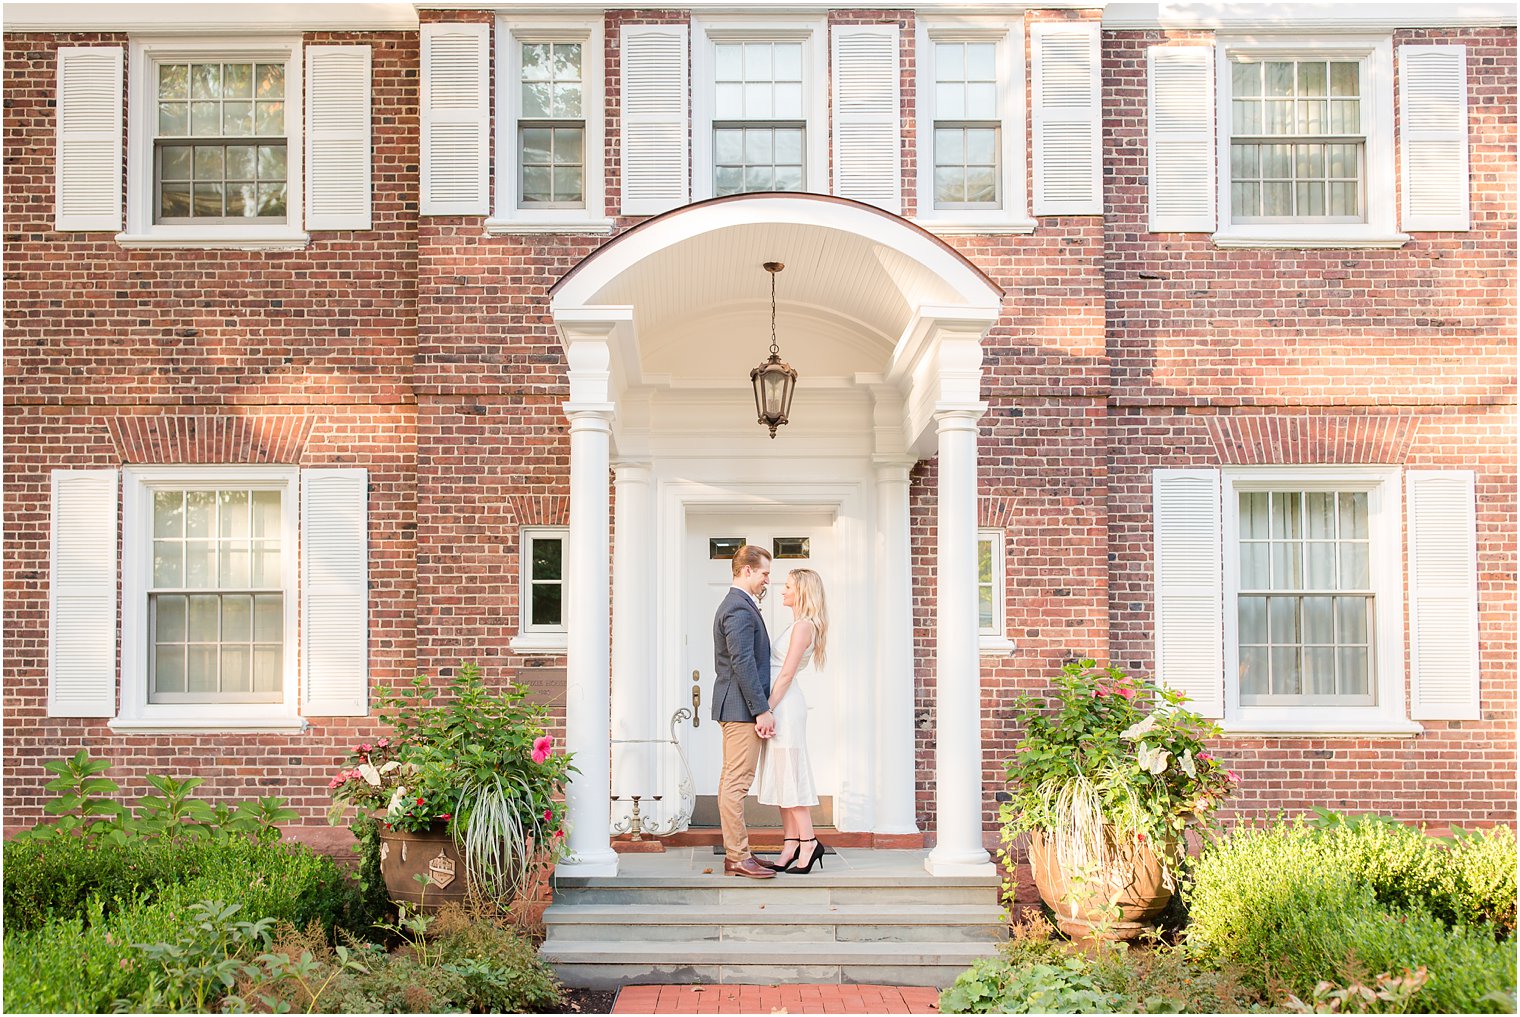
(660, 327)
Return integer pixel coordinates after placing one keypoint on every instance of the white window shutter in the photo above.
(1443, 595)
(656, 152)
(1180, 108)
(1068, 171)
(867, 115)
(1433, 117)
(89, 156)
(456, 116)
(82, 595)
(338, 137)
(1189, 586)
(334, 592)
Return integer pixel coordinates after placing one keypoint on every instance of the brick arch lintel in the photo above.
(1282, 439)
(255, 437)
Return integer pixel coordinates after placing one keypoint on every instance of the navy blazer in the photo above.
(741, 659)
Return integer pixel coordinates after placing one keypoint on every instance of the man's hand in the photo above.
(765, 724)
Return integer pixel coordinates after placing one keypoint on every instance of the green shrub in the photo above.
(76, 955)
(1481, 880)
(995, 985)
(1294, 906)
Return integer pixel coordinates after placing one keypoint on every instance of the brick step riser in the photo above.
(612, 976)
(820, 932)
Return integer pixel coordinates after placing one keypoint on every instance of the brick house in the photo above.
(349, 341)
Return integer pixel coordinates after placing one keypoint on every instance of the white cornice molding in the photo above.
(193, 17)
(1305, 17)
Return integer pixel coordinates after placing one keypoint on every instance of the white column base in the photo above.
(959, 863)
(599, 863)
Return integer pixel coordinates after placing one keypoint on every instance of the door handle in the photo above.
(696, 699)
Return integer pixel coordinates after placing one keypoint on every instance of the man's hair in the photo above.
(750, 556)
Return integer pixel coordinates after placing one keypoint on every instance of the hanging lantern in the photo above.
(774, 380)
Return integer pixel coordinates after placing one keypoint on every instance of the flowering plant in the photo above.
(1117, 764)
(477, 763)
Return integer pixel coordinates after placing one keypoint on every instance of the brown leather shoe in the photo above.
(748, 868)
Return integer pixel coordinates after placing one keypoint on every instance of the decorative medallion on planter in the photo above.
(442, 870)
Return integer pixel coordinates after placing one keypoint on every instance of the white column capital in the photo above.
(631, 471)
(593, 417)
(963, 417)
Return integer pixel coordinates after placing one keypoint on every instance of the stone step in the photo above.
(606, 964)
(759, 922)
(798, 892)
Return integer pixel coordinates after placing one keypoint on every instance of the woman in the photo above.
(786, 776)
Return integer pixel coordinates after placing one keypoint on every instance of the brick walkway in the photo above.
(768, 999)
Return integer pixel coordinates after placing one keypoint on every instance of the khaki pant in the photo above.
(741, 755)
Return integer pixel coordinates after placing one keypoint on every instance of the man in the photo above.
(741, 694)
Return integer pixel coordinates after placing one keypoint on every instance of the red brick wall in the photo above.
(1402, 356)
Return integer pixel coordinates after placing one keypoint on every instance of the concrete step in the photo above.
(820, 888)
(763, 922)
(605, 964)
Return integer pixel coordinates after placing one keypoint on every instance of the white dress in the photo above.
(785, 777)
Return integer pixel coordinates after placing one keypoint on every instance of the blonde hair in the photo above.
(812, 607)
(750, 556)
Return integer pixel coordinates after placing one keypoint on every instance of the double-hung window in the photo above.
(971, 133)
(541, 592)
(215, 143)
(209, 580)
(1312, 587)
(549, 136)
(1306, 142)
(758, 94)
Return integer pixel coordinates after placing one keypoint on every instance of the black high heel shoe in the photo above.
(783, 866)
(815, 858)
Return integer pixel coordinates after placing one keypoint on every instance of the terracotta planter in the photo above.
(1142, 895)
(405, 855)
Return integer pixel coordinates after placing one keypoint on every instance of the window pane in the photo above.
(757, 146)
(1286, 679)
(1247, 116)
(267, 567)
(1319, 620)
(788, 102)
(1287, 565)
(269, 118)
(1276, 161)
(168, 669)
(237, 119)
(1345, 79)
(1245, 161)
(168, 513)
(206, 81)
(272, 162)
(270, 81)
(200, 669)
(1310, 160)
(237, 619)
(730, 62)
(566, 100)
(788, 178)
(730, 100)
(567, 61)
(728, 146)
(1253, 566)
(1321, 562)
(1311, 117)
(981, 61)
(272, 200)
(1344, 200)
(546, 604)
(1282, 614)
(1319, 670)
(1319, 515)
(200, 509)
(1310, 198)
(199, 564)
(1253, 619)
(208, 162)
(548, 558)
(789, 147)
(1278, 116)
(757, 61)
(1278, 78)
(205, 119)
(728, 180)
(1351, 617)
(242, 199)
(759, 178)
(567, 183)
(536, 146)
(537, 99)
(237, 669)
(266, 668)
(1311, 78)
(242, 162)
(1354, 570)
(981, 101)
(1286, 515)
(266, 513)
(950, 101)
(569, 145)
(980, 185)
(232, 514)
(268, 618)
(203, 615)
(981, 146)
(1354, 671)
(787, 59)
(1353, 507)
(237, 81)
(949, 185)
(174, 81)
(1254, 677)
(169, 619)
(236, 569)
(535, 61)
(537, 184)
(950, 61)
(208, 199)
(1245, 79)
(168, 564)
(173, 119)
(950, 147)
(757, 101)
(984, 612)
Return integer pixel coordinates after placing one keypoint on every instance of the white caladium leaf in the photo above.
(1140, 729)
(370, 774)
(1152, 760)
(1186, 762)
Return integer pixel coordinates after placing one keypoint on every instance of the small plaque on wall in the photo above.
(545, 685)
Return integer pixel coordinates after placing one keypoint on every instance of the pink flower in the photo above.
(1204, 757)
(366, 748)
(1140, 837)
(559, 833)
(1125, 691)
(1099, 692)
(419, 801)
(446, 815)
(543, 748)
(382, 743)
(1232, 776)
(548, 815)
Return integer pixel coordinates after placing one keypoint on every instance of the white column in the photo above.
(957, 681)
(588, 595)
(896, 760)
(633, 698)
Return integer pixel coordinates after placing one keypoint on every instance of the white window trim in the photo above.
(1008, 34)
(996, 642)
(1380, 229)
(142, 109)
(532, 638)
(813, 34)
(511, 34)
(1390, 714)
(136, 713)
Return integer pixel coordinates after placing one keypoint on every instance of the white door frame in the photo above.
(851, 611)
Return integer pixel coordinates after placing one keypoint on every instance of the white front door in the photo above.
(797, 539)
